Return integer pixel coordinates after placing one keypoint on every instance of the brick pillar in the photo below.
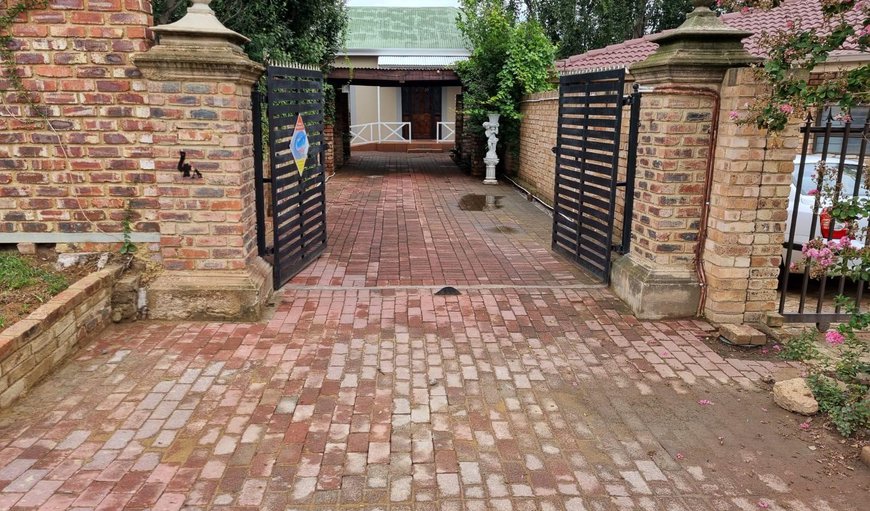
(341, 130)
(329, 154)
(748, 201)
(658, 277)
(200, 87)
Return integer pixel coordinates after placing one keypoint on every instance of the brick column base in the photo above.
(200, 90)
(655, 293)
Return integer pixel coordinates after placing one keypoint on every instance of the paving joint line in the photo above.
(473, 287)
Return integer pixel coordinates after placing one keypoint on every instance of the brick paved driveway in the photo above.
(532, 390)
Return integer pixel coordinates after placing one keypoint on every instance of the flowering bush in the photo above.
(794, 51)
(840, 381)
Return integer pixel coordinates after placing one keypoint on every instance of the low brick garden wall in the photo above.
(32, 347)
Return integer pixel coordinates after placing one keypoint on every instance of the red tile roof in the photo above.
(807, 13)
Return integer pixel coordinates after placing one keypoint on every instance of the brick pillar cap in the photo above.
(199, 22)
(699, 50)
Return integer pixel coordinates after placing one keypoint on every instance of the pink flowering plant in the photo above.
(794, 51)
(839, 375)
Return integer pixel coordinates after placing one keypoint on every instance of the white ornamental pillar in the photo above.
(491, 159)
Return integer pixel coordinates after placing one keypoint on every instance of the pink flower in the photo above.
(763, 505)
(843, 243)
(744, 10)
(776, 347)
(664, 353)
(786, 109)
(705, 402)
(733, 115)
(789, 24)
(834, 337)
(680, 456)
(804, 425)
(813, 192)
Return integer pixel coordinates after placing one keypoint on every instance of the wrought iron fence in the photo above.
(839, 167)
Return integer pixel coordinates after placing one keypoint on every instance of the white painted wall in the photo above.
(364, 106)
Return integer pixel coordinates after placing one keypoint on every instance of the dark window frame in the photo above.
(860, 115)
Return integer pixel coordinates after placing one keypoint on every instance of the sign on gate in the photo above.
(588, 169)
(300, 144)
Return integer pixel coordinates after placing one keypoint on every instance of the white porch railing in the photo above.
(446, 131)
(374, 132)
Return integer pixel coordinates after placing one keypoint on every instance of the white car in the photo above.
(805, 209)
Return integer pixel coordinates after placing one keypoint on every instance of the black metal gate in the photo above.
(588, 169)
(833, 157)
(291, 228)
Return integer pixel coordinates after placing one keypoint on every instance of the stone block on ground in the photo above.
(743, 335)
(795, 396)
(774, 320)
(27, 248)
(125, 296)
(865, 455)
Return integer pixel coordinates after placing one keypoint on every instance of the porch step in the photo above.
(425, 150)
(406, 147)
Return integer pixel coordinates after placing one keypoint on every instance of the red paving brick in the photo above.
(532, 390)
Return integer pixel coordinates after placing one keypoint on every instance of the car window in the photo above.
(849, 173)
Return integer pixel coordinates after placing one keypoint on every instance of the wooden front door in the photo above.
(421, 106)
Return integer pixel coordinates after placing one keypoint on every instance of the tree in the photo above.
(304, 31)
(577, 26)
(510, 58)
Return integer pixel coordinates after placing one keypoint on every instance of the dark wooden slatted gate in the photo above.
(587, 169)
(296, 184)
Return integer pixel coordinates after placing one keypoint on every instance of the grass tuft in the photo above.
(16, 272)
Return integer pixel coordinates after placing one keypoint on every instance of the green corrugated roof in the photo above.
(431, 28)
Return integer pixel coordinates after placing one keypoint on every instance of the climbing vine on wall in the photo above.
(793, 51)
(11, 78)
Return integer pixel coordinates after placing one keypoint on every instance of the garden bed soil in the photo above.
(16, 304)
(769, 352)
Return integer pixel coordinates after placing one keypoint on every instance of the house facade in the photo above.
(398, 71)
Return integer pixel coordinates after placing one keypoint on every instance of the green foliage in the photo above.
(577, 26)
(510, 58)
(127, 246)
(17, 272)
(794, 51)
(303, 31)
(802, 348)
(838, 380)
(846, 405)
(9, 71)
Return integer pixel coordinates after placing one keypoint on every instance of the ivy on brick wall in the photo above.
(9, 73)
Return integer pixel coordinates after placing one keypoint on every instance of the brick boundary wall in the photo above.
(536, 166)
(77, 57)
(32, 347)
(537, 163)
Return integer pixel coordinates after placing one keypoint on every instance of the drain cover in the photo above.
(448, 291)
